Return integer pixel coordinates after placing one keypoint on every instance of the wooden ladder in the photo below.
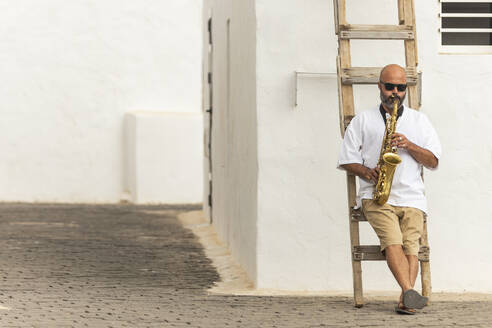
(347, 77)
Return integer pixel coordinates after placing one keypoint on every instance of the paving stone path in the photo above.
(136, 266)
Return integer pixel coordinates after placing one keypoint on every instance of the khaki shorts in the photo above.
(395, 225)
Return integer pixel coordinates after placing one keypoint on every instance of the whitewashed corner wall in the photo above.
(71, 70)
(300, 238)
(234, 125)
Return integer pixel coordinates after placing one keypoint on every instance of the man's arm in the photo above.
(362, 171)
(421, 155)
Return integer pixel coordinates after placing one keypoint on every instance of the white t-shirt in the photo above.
(362, 144)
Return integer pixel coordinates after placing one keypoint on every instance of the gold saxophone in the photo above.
(388, 160)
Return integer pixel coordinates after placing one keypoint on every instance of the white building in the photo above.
(102, 101)
(71, 72)
(277, 199)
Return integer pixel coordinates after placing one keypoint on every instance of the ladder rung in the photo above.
(370, 75)
(373, 253)
(377, 32)
(357, 215)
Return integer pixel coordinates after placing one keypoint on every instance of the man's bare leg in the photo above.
(399, 266)
(413, 264)
(404, 269)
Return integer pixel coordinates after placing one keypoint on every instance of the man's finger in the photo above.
(374, 175)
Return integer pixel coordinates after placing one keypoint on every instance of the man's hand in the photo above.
(421, 155)
(362, 171)
(399, 140)
(372, 174)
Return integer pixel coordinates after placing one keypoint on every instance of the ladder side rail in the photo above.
(335, 10)
(354, 242)
(346, 96)
(425, 275)
(410, 50)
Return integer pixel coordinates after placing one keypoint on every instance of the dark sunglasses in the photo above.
(391, 86)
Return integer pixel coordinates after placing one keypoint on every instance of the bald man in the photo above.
(398, 223)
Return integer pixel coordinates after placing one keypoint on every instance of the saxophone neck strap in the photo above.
(383, 112)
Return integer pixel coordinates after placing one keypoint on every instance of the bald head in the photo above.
(393, 72)
(392, 83)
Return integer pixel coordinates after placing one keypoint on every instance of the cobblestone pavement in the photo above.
(136, 266)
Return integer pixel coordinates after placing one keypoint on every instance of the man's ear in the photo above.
(379, 85)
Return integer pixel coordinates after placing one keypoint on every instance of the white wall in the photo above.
(302, 234)
(71, 69)
(164, 154)
(234, 127)
(455, 99)
(302, 217)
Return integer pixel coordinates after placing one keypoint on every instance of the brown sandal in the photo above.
(402, 309)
